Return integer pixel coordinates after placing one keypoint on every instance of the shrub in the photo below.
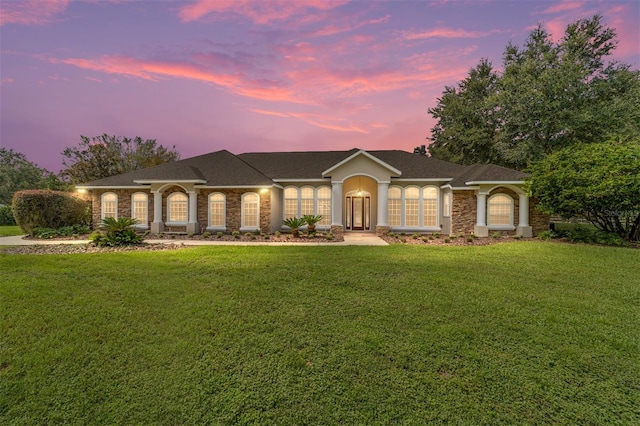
(436, 234)
(447, 240)
(547, 235)
(219, 234)
(48, 209)
(517, 237)
(496, 235)
(248, 234)
(65, 231)
(116, 232)
(236, 233)
(276, 234)
(6, 216)
(469, 239)
(415, 236)
(329, 236)
(206, 235)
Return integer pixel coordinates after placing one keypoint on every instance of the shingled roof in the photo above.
(223, 168)
(487, 173)
(220, 168)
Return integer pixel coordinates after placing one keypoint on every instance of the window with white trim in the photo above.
(307, 201)
(446, 204)
(429, 206)
(290, 202)
(140, 208)
(217, 208)
(109, 205)
(500, 210)
(395, 206)
(250, 210)
(324, 205)
(177, 208)
(411, 207)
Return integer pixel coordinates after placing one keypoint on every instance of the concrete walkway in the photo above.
(350, 239)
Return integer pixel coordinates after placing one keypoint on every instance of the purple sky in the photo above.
(255, 75)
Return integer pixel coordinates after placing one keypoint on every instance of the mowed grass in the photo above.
(9, 231)
(516, 333)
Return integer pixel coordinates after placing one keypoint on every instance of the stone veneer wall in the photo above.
(463, 212)
(233, 207)
(124, 204)
(539, 221)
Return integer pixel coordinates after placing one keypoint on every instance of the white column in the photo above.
(481, 229)
(523, 219)
(192, 225)
(336, 203)
(383, 204)
(157, 225)
(481, 210)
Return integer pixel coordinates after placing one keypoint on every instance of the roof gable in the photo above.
(365, 154)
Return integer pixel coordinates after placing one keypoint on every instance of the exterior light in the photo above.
(82, 191)
(264, 190)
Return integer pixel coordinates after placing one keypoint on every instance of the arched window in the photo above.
(395, 206)
(109, 205)
(324, 205)
(217, 208)
(250, 211)
(429, 206)
(177, 205)
(290, 202)
(412, 207)
(500, 210)
(140, 208)
(307, 201)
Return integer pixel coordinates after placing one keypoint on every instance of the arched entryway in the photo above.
(360, 203)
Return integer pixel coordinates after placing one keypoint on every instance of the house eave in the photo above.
(151, 181)
(495, 182)
(110, 186)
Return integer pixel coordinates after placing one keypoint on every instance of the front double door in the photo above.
(358, 213)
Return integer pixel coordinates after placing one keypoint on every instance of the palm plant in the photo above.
(294, 223)
(311, 221)
(117, 232)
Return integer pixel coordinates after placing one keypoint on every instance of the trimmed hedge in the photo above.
(6, 216)
(48, 209)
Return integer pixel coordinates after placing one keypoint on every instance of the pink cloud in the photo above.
(30, 12)
(258, 11)
(563, 6)
(7, 80)
(445, 33)
(318, 120)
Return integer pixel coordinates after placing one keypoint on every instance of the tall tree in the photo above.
(18, 173)
(466, 115)
(103, 156)
(549, 96)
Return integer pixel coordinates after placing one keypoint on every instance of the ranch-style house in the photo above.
(356, 190)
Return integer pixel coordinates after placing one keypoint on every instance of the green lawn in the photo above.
(8, 231)
(514, 333)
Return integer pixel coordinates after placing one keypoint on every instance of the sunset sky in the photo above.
(255, 75)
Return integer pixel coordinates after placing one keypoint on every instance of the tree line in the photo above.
(92, 159)
(559, 110)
